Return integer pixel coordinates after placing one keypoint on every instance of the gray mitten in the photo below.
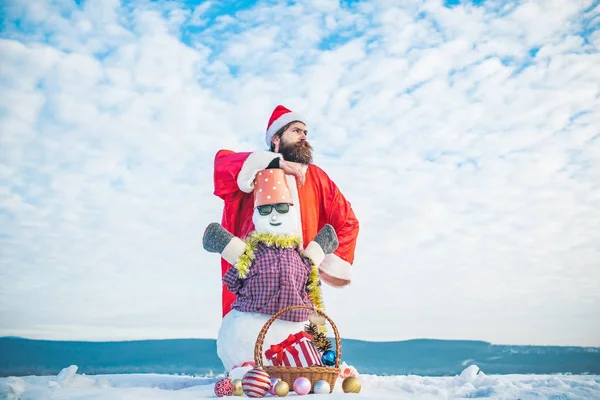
(326, 242)
(216, 238)
(327, 239)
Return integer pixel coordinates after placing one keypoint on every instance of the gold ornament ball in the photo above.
(282, 388)
(351, 385)
(237, 387)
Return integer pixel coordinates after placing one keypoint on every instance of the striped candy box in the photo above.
(296, 351)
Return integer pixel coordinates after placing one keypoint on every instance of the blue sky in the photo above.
(465, 134)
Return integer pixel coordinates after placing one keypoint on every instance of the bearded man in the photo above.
(315, 195)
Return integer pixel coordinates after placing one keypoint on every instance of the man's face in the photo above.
(293, 144)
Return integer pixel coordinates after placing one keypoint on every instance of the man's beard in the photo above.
(300, 152)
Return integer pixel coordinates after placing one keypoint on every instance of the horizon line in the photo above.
(342, 338)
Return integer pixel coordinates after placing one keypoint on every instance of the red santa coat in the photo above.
(319, 200)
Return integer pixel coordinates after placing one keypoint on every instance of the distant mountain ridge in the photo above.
(431, 357)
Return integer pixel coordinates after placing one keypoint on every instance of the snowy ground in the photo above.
(471, 383)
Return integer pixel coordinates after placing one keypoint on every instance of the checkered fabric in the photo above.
(277, 279)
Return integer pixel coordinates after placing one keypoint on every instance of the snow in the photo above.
(471, 383)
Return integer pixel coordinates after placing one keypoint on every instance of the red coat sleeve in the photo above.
(337, 211)
(341, 216)
(227, 166)
(344, 221)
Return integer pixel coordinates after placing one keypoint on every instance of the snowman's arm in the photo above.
(217, 239)
(326, 242)
(234, 250)
(232, 280)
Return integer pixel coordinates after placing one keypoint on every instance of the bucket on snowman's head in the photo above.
(271, 187)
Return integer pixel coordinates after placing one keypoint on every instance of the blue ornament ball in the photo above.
(328, 358)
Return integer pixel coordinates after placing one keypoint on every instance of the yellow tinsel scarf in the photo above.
(284, 242)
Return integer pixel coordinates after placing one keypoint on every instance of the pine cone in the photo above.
(311, 329)
(320, 340)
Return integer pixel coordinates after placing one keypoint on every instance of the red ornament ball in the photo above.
(256, 383)
(224, 387)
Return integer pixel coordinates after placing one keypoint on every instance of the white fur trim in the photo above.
(234, 250)
(257, 161)
(336, 267)
(280, 123)
(291, 180)
(314, 252)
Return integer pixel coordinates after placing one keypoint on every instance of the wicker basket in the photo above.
(290, 374)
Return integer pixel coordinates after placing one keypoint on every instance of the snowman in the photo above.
(269, 272)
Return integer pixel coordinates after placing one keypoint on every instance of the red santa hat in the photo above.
(280, 117)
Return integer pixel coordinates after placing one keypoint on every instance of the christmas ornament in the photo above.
(224, 387)
(328, 358)
(351, 385)
(321, 387)
(302, 386)
(237, 387)
(282, 388)
(256, 383)
(347, 370)
(273, 383)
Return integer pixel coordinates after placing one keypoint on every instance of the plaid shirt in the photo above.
(277, 279)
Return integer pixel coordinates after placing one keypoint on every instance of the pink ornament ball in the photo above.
(302, 386)
(256, 383)
(273, 383)
(224, 387)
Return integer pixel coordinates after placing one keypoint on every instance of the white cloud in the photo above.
(471, 161)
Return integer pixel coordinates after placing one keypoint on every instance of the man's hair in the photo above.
(279, 133)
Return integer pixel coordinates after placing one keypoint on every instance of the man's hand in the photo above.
(293, 168)
(333, 281)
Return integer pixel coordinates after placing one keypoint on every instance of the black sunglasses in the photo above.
(281, 208)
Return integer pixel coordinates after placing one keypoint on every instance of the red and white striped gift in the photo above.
(296, 351)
